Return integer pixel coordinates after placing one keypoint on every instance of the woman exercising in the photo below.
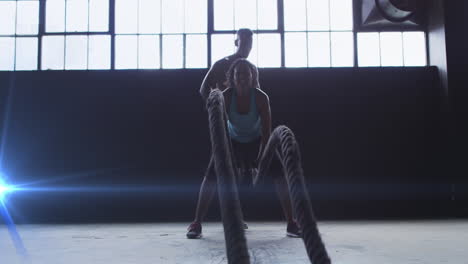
(249, 128)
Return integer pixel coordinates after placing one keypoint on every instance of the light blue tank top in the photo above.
(244, 128)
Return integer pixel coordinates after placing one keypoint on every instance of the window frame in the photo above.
(209, 33)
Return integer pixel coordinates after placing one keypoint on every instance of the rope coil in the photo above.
(231, 214)
(283, 142)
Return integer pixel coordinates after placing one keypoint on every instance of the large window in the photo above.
(392, 49)
(168, 34)
(19, 28)
(318, 33)
(174, 34)
(76, 35)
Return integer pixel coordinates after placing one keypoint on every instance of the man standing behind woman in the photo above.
(249, 126)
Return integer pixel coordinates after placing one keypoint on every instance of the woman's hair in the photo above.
(253, 70)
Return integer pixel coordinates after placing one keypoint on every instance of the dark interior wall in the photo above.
(456, 23)
(354, 124)
(366, 135)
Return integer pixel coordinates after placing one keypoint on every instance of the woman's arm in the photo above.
(265, 115)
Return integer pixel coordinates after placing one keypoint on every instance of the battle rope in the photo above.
(282, 140)
(290, 158)
(231, 214)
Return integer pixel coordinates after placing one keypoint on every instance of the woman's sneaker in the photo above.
(293, 230)
(194, 230)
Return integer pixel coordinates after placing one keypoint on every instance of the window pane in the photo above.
(148, 52)
(7, 56)
(126, 16)
(295, 49)
(223, 14)
(53, 52)
(245, 14)
(391, 48)
(76, 53)
(318, 15)
(414, 48)
(98, 15)
(7, 17)
(342, 48)
(196, 16)
(368, 49)
(269, 50)
(172, 16)
(222, 45)
(196, 51)
(26, 54)
(77, 15)
(172, 51)
(28, 18)
(319, 49)
(341, 14)
(55, 15)
(295, 14)
(267, 14)
(150, 16)
(99, 52)
(126, 50)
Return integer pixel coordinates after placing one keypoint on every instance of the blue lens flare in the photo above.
(4, 188)
(14, 235)
(69, 183)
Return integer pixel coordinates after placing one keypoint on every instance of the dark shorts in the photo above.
(245, 156)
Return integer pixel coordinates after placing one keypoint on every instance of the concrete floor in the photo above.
(379, 242)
